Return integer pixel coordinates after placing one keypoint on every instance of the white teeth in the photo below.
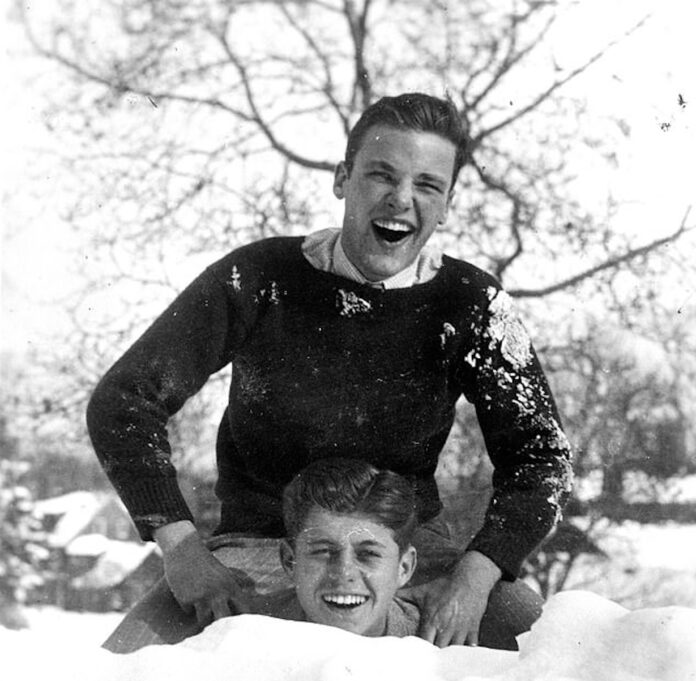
(393, 225)
(345, 599)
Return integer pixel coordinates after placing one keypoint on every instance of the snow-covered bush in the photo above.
(22, 549)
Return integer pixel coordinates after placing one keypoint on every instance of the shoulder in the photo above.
(403, 618)
(468, 275)
(258, 257)
(468, 282)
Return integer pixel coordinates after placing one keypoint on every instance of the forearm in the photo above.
(135, 455)
(170, 536)
(515, 523)
(129, 410)
(520, 424)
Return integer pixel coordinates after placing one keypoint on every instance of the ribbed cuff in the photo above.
(154, 502)
(500, 549)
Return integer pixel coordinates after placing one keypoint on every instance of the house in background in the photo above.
(96, 560)
(121, 574)
(71, 515)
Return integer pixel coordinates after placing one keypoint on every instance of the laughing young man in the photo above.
(354, 342)
(348, 549)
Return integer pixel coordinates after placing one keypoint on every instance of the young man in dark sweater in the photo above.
(354, 343)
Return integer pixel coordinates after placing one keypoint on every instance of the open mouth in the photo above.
(392, 231)
(344, 601)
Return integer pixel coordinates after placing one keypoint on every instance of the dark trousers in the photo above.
(158, 619)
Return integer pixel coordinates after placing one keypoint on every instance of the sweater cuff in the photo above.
(153, 503)
(501, 551)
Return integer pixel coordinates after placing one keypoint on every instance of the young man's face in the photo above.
(396, 194)
(346, 570)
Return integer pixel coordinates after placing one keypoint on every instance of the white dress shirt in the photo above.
(323, 250)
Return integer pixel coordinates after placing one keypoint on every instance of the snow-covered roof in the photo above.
(119, 560)
(75, 511)
(70, 502)
(88, 545)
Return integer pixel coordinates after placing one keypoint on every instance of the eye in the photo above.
(430, 187)
(367, 555)
(380, 175)
(319, 553)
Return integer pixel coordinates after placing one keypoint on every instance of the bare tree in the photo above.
(196, 126)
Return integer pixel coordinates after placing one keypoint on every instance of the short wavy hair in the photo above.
(350, 486)
(412, 111)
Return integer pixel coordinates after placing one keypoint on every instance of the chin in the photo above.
(385, 271)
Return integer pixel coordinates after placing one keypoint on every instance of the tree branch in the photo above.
(512, 57)
(262, 124)
(357, 24)
(121, 87)
(555, 86)
(515, 219)
(608, 264)
(329, 88)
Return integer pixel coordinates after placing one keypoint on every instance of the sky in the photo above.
(648, 81)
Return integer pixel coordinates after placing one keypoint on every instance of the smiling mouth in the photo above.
(392, 231)
(344, 601)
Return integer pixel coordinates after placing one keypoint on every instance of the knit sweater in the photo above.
(403, 617)
(323, 366)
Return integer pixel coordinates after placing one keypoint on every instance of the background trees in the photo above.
(188, 128)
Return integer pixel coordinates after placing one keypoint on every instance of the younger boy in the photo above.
(348, 547)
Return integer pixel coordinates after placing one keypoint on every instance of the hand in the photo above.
(198, 580)
(452, 607)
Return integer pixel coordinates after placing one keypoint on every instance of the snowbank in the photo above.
(580, 637)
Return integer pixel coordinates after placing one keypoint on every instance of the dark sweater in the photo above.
(323, 366)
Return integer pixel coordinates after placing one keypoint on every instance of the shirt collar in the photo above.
(345, 268)
(325, 252)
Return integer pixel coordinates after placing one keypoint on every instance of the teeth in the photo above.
(393, 225)
(345, 599)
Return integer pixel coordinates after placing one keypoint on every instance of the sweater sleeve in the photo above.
(521, 427)
(128, 412)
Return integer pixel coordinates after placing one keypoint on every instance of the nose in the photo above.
(343, 567)
(401, 196)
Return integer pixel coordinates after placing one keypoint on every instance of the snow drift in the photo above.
(580, 637)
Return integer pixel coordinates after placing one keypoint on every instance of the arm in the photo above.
(500, 374)
(127, 420)
(531, 455)
(128, 412)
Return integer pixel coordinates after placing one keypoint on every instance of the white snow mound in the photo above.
(580, 637)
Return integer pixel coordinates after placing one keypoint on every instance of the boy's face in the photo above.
(346, 570)
(396, 194)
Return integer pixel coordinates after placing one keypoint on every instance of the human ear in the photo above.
(407, 565)
(445, 212)
(287, 557)
(340, 177)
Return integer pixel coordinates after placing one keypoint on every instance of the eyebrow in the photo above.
(372, 542)
(380, 165)
(329, 542)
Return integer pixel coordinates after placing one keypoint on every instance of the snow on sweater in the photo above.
(324, 366)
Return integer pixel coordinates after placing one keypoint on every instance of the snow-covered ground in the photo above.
(87, 629)
(580, 637)
(646, 565)
(650, 566)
